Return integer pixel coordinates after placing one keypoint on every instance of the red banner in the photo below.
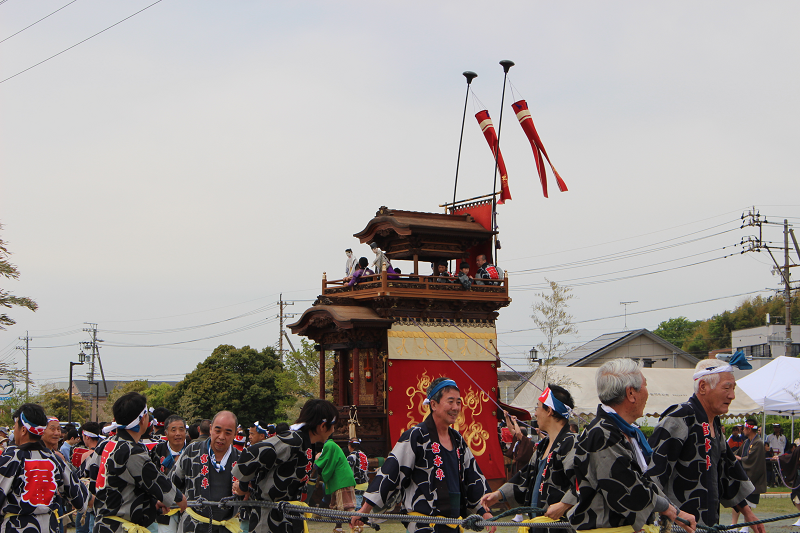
(477, 423)
(482, 213)
(487, 127)
(525, 120)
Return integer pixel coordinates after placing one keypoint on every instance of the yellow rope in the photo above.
(128, 526)
(231, 524)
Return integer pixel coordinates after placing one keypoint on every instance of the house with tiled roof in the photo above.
(639, 344)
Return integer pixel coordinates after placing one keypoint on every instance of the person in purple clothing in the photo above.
(362, 270)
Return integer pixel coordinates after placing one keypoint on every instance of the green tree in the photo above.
(157, 394)
(9, 271)
(56, 403)
(676, 330)
(303, 364)
(107, 412)
(551, 317)
(250, 383)
(16, 399)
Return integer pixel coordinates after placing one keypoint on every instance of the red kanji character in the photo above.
(162, 461)
(435, 447)
(39, 481)
(204, 458)
(204, 483)
(232, 465)
(308, 467)
(708, 462)
(458, 453)
(162, 469)
(304, 480)
(708, 445)
(204, 470)
(439, 474)
(101, 473)
(706, 430)
(437, 461)
(363, 462)
(309, 454)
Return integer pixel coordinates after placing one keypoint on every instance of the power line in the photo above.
(37, 22)
(629, 238)
(533, 287)
(626, 254)
(628, 269)
(76, 44)
(648, 311)
(238, 330)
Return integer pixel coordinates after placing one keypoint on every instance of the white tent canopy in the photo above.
(667, 387)
(775, 386)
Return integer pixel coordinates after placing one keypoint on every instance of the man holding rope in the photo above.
(691, 461)
(431, 468)
(204, 470)
(611, 459)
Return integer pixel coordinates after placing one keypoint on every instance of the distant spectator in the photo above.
(160, 414)
(463, 276)
(442, 275)
(486, 271)
(753, 460)
(193, 433)
(350, 265)
(573, 427)
(777, 440)
(281, 427)
(72, 439)
(204, 428)
(736, 439)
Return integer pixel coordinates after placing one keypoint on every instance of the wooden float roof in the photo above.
(430, 236)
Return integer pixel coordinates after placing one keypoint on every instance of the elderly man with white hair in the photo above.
(611, 459)
(691, 461)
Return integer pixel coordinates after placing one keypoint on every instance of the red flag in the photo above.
(491, 137)
(525, 120)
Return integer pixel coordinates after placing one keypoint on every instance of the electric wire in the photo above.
(636, 268)
(78, 43)
(616, 256)
(37, 22)
(231, 332)
(647, 311)
(596, 282)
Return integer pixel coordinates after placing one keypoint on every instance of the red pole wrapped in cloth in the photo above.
(525, 120)
(487, 127)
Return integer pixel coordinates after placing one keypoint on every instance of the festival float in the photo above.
(392, 334)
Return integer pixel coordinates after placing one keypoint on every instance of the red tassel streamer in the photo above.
(525, 120)
(491, 137)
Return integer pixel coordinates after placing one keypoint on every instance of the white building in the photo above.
(764, 343)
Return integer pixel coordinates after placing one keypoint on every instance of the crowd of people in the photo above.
(141, 472)
(356, 270)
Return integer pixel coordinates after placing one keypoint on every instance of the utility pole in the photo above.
(626, 311)
(27, 340)
(756, 244)
(281, 316)
(95, 354)
(787, 289)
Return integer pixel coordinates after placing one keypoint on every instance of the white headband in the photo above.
(90, 435)
(295, 427)
(713, 370)
(135, 423)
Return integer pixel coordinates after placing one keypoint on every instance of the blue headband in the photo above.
(258, 427)
(441, 385)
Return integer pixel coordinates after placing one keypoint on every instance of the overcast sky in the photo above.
(188, 165)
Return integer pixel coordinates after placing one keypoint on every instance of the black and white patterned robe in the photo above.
(613, 491)
(191, 476)
(126, 483)
(33, 479)
(412, 474)
(359, 463)
(681, 462)
(277, 470)
(558, 478)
